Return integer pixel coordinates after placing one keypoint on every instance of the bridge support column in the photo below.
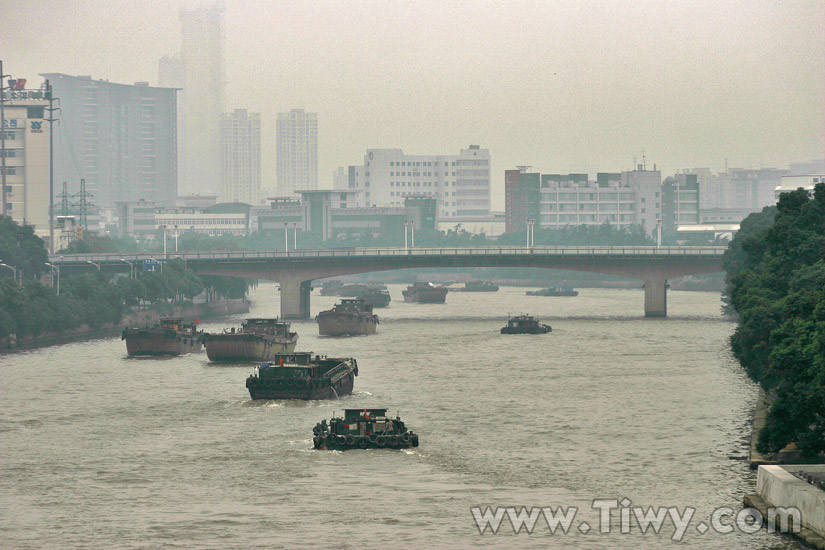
(295, 298)
(656, 296)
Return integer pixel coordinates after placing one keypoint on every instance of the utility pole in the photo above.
(83, 205)
(51, 108)
(3, 134)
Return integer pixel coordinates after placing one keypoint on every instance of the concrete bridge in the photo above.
(296, 269)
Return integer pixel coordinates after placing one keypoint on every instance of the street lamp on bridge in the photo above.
(94, 264)
(57, 269)
(13, 269)
(130, 267)
(530, 240)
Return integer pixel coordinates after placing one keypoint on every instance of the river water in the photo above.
(102, 451)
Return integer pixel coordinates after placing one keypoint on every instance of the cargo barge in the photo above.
(258, 339)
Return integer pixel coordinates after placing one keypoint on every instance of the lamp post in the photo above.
(659, 233)
(3, 211)
(130, 267)
(94, 264)
(57, 269)
(161, 265)
(412, 233)
(295, 237)
(176, 238)
(13, 270)
(406, 224)
(164, 240)
(286, 236)
(530, 224)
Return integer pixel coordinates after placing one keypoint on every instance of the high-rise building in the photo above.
(198, 71)
(25, 135)
(461, 183)
(120, 138)
(241, 157)
(297, 151)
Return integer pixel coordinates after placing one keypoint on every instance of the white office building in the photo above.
(461, 183)
(241, 157)
(297, 151)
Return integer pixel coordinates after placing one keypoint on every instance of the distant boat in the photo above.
(477, 286)
(301, 375)
(338, 288)
(425, 293)
(169, 337)
(258, 339)
(350, 317)
(555, 290)
(376, 297)
(525, 324)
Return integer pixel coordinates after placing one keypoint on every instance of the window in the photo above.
(643, 199)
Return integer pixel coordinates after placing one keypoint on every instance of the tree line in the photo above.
(30, 308)
(273, 239)
(776, 272)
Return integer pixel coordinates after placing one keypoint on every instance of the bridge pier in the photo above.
(295, 298)
(655, 296)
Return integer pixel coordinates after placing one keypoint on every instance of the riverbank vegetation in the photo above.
(30, 308)
(776, 273)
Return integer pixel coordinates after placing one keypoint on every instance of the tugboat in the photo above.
(169, 337)
(301, 375)
(425, 293)
(478, 286)
(376, 297)
(351, 316)
(257, 340)
(363, 429)
(525, 324)
(555, 290)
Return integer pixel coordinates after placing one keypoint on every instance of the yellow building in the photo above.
(25, 137)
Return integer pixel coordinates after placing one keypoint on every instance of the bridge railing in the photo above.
(247, 255)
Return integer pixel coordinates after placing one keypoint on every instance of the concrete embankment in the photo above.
(208, 310)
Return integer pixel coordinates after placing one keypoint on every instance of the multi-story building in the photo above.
(461, 183)
(241, 157)
(558, 200)
(198, 71)
(120, 138)
(25, 146)
(804, 181)
(329, 213)
(737, 189)
(297, 151)
(143, 218)
(522, 191)
(680, 202)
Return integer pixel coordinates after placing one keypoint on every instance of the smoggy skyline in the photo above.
(568, 86)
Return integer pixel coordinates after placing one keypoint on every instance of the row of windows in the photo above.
(414, 184)
(193, 222)
(416, 174)
(584, 218)
(410, 163)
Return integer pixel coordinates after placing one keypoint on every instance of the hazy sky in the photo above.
(564, 86)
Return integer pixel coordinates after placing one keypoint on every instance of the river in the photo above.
(103, 451)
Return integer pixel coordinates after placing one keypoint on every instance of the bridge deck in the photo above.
(566, 251)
